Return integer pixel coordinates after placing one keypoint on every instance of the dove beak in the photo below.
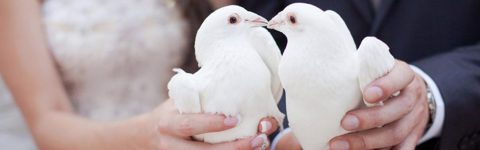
(275, 22)
(256, 21)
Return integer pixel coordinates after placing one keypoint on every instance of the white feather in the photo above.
(268, 49)
(337, 19)
(234, 79)
(375, 61)
(320, 72)
(183, 90)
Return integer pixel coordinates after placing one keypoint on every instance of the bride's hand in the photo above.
(175, 131)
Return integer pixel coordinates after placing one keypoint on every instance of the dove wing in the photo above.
(375, 61)
(268, 50)
(184, 93)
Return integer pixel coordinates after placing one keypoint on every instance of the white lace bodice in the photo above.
(115, 56)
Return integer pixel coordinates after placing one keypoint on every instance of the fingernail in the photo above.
(350, 122)
(261, 141)
(230, 121)
(339, 145)
(373, 93)
(266, 126)
(396, 94)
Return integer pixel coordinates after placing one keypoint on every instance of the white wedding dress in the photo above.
(114, 56)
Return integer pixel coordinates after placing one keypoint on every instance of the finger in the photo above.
(389, 135)
(236, 145)
(412, 140)
(258, 142)
(268, 125)
(409, 143)
(382, 88)
(288, 142)
(187, 125)
(394, 109)
(176, 143)
(241, 144)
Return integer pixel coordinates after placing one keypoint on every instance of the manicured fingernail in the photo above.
(373, 93)
(350, 122)
(266, 126)
(230, 121)
(339, 145)
(261, 141)
(396, 93)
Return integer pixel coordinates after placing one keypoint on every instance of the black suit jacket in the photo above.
(441, 37)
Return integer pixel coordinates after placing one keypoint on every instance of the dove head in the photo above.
(299, 19)
(226, 24)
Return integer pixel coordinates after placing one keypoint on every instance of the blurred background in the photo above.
(13, 132)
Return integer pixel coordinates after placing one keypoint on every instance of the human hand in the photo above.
(398, 124)
(175, 131)
(271, 125)
(288, 142)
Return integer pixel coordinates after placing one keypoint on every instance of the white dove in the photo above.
(238, 74)
(322, 72)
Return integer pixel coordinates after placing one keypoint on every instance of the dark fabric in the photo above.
(441, 37)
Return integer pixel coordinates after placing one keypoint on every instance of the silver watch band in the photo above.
(432, 107)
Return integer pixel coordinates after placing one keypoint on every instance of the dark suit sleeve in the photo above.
(457, 75)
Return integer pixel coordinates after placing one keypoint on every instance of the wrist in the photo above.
(438, 115)
(133, 133)
(58, 131)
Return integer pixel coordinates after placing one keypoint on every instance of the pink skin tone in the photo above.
(29, 71)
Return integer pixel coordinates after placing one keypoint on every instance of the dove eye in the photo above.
(232, 20)
(292, 19)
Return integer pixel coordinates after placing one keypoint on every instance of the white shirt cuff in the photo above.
(436, 127)
(278, 137)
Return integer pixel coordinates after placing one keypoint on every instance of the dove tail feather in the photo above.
(182, 89)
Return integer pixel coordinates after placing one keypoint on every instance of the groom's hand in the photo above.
(399, 124)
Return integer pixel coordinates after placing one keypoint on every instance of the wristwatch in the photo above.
(432, 107)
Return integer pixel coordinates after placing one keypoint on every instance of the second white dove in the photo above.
(322, 71)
